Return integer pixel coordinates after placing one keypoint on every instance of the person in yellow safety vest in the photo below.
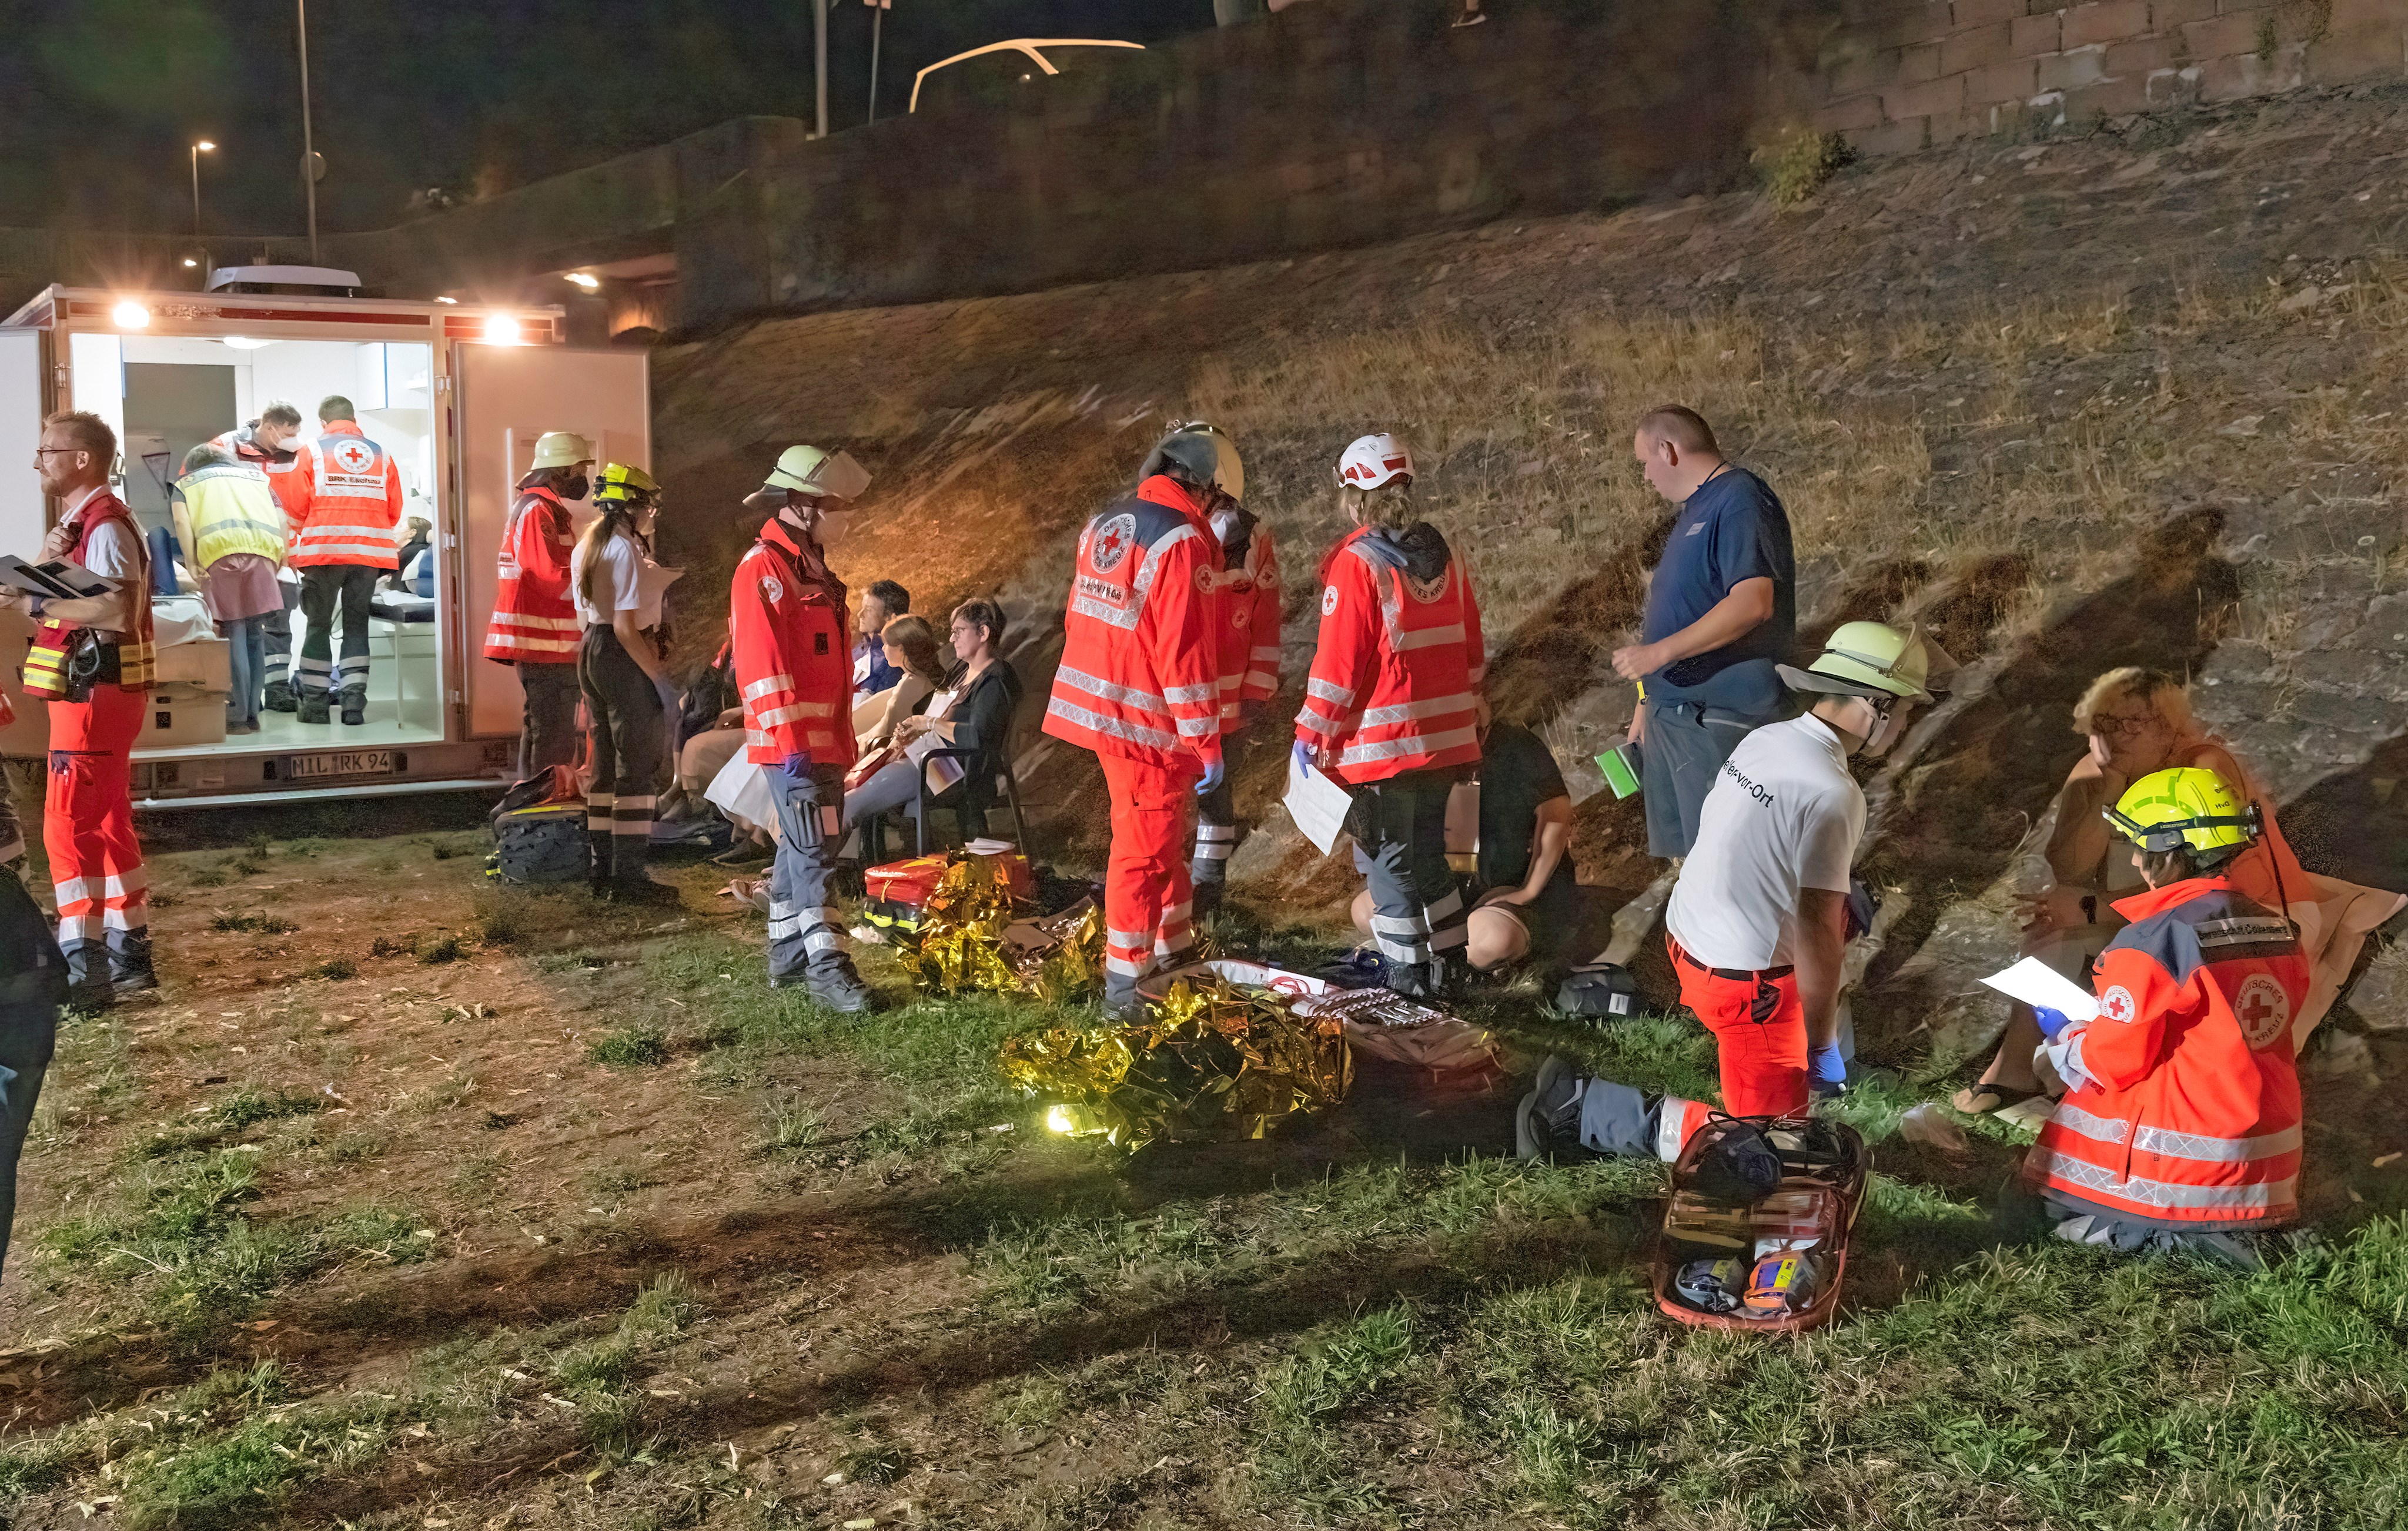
(232, 530)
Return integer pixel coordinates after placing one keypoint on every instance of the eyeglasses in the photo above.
(46, 451)
(2129, 728)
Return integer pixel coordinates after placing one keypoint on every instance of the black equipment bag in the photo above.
(543, 844)
(1598, 988)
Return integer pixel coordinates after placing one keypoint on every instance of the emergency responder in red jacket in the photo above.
(1248, 613)
(92, 661)
(2180, 1125)
(1394, 705)
(793, 639)
(535, 628)
(345, 502)
(1139, 684)
(266, 444)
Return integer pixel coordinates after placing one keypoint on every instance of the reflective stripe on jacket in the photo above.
(277, 465)
(2191, 1112)
(1140, 671)
(791, 634)
(45, 672)
(346, 500)
(1249, 624)
(1398, 671)
(232, 510)
(534, 620)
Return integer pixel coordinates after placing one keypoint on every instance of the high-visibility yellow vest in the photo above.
(232, 510)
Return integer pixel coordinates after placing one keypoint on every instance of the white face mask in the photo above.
(832, 527)
(1225, 526)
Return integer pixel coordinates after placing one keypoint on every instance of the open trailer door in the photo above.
(22, 520)
(504, 398)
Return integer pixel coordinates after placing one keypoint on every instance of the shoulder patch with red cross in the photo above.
(2116, 1005)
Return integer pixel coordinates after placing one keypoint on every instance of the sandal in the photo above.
(1983, 1099)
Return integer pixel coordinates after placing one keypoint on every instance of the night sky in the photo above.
(469, 96)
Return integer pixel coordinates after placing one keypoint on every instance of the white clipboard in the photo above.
(1318, 804)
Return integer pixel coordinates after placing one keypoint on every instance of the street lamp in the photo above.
(199, 149)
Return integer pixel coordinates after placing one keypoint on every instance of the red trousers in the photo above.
(1759, 1030)
(88, 818)
(1147, 905)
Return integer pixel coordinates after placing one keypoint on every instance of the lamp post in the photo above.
(877, 9)
(818, 53)
(308, 149)
(199, 148)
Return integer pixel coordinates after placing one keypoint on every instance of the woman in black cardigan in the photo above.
(973, 712)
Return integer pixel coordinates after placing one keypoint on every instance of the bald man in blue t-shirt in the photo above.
(1722, 609)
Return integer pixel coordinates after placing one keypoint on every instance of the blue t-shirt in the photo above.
(1733, 528)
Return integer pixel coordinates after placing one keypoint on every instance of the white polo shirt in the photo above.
(1784, 814)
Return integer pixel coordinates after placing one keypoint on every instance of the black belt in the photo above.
(1736, 974)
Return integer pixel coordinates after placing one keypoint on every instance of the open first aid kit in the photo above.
(1774, 1261)
(898, 892)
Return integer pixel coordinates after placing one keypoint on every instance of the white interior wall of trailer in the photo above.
(20, 518)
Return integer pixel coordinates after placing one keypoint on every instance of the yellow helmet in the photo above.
(626, 483)
(2188, 805)
(560, 448)
(1869, 658)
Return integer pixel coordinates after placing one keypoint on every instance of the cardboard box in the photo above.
(204, 663)
(174, 716)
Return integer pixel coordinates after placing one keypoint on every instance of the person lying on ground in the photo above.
(2138, 721)
(2180, 1125)
(1526, 903)
(1757, 923)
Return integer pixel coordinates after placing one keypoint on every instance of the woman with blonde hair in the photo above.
(2138, 721)
(622, 670)
(911, 645)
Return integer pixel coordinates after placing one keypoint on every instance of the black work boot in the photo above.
(356, 706)
(129, 964)
(88, 985)
(640, 890)
(839, 990)
(1205, 896)
(279, 698)
(1417, 980)
(313, 708)
(1547, 1121)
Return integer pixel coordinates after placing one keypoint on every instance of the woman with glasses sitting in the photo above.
(2138, 721)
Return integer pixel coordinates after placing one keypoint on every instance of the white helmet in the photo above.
(1373, 461)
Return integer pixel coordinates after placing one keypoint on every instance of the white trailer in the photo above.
(456, 393)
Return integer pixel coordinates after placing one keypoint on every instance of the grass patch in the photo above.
(265, 924)
(335, 970)
(215, 1124)
(440, 947)
(1795, 168)
(500, 921)
(576, 960)
(603, 1378)
(630, 1046)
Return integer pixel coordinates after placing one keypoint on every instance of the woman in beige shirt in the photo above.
(912, 648)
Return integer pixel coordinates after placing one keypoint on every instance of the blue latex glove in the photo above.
(2051, 1021)
(797, 766)
(1826, 1070)
(1302, 754)
(1216, 772)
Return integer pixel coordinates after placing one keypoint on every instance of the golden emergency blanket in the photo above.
(971, 938)
(1215, 1062)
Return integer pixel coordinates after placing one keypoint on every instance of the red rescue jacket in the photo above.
(1397, 674)
(1249, 621)
(345, 501)
(1140, 671)
(2191, 1115)
(534, 620)
(45, 673)
(791, 637)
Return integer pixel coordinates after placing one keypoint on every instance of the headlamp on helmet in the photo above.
(2188, 806)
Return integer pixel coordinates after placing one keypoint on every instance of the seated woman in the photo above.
(972, 712)
(910, 647)
(2180, 1125)
(2139, 722)
(1527, 903)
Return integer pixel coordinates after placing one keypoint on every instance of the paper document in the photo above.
(2038, 984)
(57, 581)
(742, 790)
(1318, 804)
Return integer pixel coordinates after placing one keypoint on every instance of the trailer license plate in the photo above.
(340, 763)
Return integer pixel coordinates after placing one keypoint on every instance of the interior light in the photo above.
(440, 298)
(244, 342)
(502, 330)
(190, 262)
(130, 315)
(586, 280)
(205, 146)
